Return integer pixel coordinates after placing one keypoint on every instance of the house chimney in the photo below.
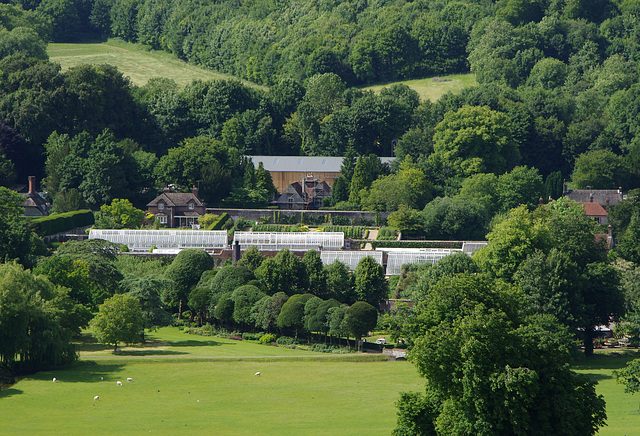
(166, 190)
(591, 197)
(540, 200)
(565, 188)
(194, 190)
(32, 184)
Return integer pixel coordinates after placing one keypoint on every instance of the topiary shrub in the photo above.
(267, 339)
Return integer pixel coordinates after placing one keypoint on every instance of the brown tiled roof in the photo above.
(594, 209)
(176, 199)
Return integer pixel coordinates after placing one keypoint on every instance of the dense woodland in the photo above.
(557, 99)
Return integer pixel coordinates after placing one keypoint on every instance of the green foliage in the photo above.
(629, 376)
(267, 338)
(416, 244)
(120, 214)
(219, 222)
(283, 273)
(454, 218)
(279, 228)
(370, 283)
(185, 271)
(36, 321)
(119, 320)
(292, 313)
(360, 318)
(490, 351)
(353, 232)
(60, 222)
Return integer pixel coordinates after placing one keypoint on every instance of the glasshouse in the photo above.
(293, 241)
(349, 258)
(144, 240)
(402, 256)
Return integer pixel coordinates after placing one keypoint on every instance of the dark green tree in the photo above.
(371, 286)
(185, 271)
(360, 318)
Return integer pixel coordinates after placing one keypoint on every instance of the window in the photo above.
(191, 205)
(160, 206)
(162, 219)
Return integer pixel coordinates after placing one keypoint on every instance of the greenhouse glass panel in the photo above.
(399, 257)
(349, 258)
(275, 241)
(144, 240)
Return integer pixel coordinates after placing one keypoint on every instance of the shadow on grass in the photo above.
(606, 360)
(83, 372)
(6, 393)
(144, 352)
(191, 343)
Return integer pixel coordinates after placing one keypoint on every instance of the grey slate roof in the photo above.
(605, 197)
(327, 164)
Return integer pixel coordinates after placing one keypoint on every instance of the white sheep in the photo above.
(129, 379)
(118, 383)
(96, 398)
(257, 373)
(55, 379)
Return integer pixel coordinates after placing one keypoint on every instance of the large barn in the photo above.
(286, 170)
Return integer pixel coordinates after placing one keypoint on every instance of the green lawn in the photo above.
(297, 393)
(432, 89)
(623, 417)
(133, 60)
(207, 385)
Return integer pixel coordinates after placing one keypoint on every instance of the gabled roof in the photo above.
(594, 209)
(604, 197)
(329, 164)
(176, 199)
(35, 201)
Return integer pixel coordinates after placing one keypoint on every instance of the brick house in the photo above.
(34, 204)
(596, 211)
(307, 194)
(177, 209)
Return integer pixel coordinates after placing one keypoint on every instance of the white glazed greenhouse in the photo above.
(144, 240)
(302, 241)
(349, 258)
(403, 256)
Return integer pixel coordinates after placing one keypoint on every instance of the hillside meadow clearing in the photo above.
(141, 64)
(190, 383)
(133, 60)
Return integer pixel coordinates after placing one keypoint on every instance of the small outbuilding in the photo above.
(177, 209)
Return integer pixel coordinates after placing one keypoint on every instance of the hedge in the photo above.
(416, 244)
(259, 227)
(217, 224)
(353, 232)
(62, 222)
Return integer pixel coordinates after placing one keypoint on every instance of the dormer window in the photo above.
(191, 205)
(160, 206)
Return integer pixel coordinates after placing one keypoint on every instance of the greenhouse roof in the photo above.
(144, 240)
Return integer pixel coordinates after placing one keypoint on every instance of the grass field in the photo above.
(298, 392)
(206, 385)
(430, 89)
(133, 60)
(623, 416)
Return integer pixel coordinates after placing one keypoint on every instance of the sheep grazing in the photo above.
(129, 379)
(55, 379)
(102, 378)
(257, 374)
(96, 398)
(118, 383)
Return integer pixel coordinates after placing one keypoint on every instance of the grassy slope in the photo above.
(430, 89)
(141, 65)
(131, 59)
